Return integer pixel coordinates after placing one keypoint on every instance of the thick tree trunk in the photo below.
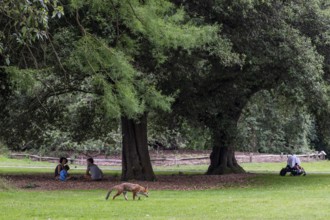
(222, 157)
(136, 162)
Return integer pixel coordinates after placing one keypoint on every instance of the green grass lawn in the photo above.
(28, 166)
(310, 167)
(266, 196)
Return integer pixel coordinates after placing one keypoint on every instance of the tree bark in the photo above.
(222, 157)
(136, 162)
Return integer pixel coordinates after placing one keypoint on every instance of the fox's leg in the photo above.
(117, 194)
(124, 193)
(107, 196)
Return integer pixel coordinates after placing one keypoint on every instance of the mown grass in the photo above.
(267, 196)
(24, 166)
(8, 162)
(310, 167)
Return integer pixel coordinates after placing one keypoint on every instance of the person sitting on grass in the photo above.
(60, 167)
(298, 170)
(293, 160)
(293, 163)
(64, 175)
(93, 172)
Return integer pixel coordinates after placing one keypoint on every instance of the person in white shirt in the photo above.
(293, 160)
(294, 163)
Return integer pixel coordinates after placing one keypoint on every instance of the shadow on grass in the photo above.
(4, 185)
(275, 181)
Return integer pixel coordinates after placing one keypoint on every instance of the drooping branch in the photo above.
(56, 54)
(82, 29)
(33, 105)
(33, 57)
(134, 13)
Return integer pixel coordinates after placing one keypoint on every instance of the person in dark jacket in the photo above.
(60, 166)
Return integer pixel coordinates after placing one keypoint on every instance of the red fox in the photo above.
(136, 189)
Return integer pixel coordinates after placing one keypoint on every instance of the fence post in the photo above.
(175, 157)
(251, 155)
(281, 156)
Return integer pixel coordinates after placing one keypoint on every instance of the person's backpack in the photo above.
(283, 172)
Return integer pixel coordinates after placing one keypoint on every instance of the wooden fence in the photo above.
(176, 159)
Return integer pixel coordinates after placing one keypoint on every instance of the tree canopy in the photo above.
(105, 53)
(215, 64)
(279, 43)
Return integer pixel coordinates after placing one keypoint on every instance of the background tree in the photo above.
(106, 52)
(270, 123)
(277, 49)
(22, 23)
(108, 61)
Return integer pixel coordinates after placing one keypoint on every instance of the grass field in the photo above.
(26, 165)
(266, 196)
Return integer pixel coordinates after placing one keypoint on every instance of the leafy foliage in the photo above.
(104, 61)
(73, 70)
(165, 133)
(24, 22)
(270, 123)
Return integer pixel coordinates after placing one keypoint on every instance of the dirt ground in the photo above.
(169, 182)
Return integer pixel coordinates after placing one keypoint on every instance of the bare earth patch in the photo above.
(170, 182)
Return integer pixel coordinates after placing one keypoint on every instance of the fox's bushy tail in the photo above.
(108, 194)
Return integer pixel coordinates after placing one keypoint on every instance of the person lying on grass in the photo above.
(60, 167)
(93, 172)
(64, 175)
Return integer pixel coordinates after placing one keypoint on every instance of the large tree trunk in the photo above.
(222, 157)
(136, 162)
